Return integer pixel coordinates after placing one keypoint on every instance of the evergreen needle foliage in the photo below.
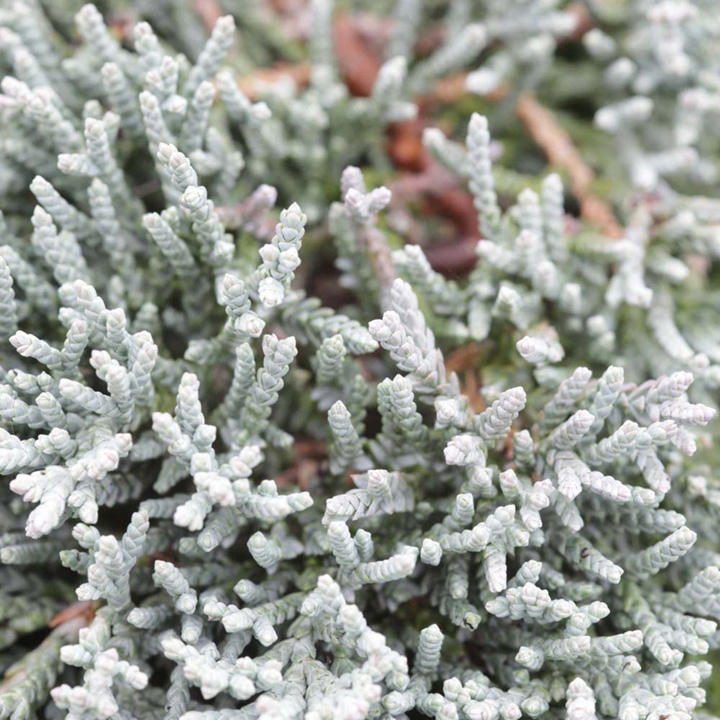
(484, 497)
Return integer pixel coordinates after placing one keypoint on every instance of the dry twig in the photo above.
(253, 82)
(84, 609)
(209, 11)
(560, 151)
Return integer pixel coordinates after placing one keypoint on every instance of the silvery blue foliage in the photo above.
(658, 70)
(545, 547)
(526, 262)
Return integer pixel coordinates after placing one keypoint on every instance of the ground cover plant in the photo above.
(359, 360)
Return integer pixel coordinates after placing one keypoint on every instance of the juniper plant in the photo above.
(231, 501)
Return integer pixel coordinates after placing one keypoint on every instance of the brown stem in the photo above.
(84, 609)
(209, 11)
(558, 146)
(252, 83)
